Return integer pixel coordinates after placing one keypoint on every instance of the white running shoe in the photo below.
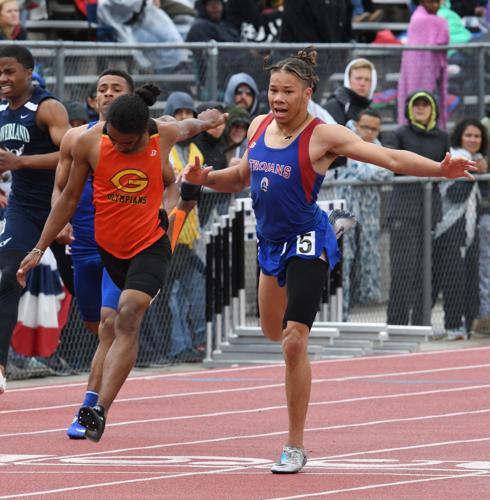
(292, 460)
(341, 221)
(3, 383)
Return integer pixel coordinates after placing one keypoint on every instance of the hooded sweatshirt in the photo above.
(345, 105)
(426, 140)
(233, 83)
(179, 100)
(424, 69)
(204, 29)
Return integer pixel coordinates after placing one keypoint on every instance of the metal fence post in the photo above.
(60, 73)
(481, 81)
(212, 65)
(427, 254)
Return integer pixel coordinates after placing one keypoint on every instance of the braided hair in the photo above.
(302, 64)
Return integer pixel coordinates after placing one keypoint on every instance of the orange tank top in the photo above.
(128, 192)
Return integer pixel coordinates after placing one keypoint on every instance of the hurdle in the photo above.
(231, 340)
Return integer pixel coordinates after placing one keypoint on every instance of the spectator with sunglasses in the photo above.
(242, 91)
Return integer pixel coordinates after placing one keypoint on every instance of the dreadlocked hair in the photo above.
(302, 64)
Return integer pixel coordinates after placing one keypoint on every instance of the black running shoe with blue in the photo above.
(93, 419)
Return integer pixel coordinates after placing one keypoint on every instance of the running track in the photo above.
(392, 427)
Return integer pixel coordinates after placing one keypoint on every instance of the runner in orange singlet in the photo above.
(127, 155)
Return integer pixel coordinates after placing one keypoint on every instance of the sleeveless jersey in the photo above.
(19, 134)
(128, 191)
(284, 186)
(83, 220)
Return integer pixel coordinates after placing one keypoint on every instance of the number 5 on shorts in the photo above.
(305, 244)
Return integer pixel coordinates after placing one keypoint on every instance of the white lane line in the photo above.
(117, 483)
(235, 469)
(262, 409)
(177, 375)
(259, 387)
(285, 432)
(377, 486)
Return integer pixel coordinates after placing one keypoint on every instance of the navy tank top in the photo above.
(19, 134)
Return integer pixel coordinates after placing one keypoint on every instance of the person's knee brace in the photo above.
(305, 280)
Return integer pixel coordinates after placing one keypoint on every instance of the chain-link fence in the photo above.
(394, 268)
(70, 68)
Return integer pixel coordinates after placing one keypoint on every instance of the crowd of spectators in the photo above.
(460, 211)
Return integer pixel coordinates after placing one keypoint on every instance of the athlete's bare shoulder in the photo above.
(71, 136)
(255, 125)
(88, 138)
(329, 133)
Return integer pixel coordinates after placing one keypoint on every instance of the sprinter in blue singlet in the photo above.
(32, 124)
(288, 154)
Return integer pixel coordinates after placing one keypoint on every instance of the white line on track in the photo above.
(377, 486)
(242, 468)
(358, 360)
(116, 483)
(284, 432)
(259, 387)
(262, 409)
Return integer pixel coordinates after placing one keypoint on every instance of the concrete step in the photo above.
(316, 332)
(265, 347)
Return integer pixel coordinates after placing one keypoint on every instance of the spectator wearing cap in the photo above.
(77, 114)
(242, 91)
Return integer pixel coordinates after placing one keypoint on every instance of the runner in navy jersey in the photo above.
(288, 155)
(32, 124)
(97, 295)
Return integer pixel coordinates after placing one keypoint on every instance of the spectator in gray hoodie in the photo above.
(242, 91)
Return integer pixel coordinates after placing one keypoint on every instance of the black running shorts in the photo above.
(145, 272)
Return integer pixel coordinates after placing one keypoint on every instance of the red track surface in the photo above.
(392, 427)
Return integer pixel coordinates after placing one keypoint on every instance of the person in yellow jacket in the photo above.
(186, 284)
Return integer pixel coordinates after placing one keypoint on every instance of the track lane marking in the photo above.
(254, 387)
(261, 367)
(262, 409)
(375, 486)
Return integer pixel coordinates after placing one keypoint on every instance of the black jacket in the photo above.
(203, 29)
(315, 21)
(407, 199)
(346, 105)
(212, 149)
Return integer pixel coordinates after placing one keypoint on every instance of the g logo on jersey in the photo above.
(130, 180)
(264, 184)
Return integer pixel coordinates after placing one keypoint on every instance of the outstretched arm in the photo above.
(341, 141)
(190, 127)
(228, 180)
